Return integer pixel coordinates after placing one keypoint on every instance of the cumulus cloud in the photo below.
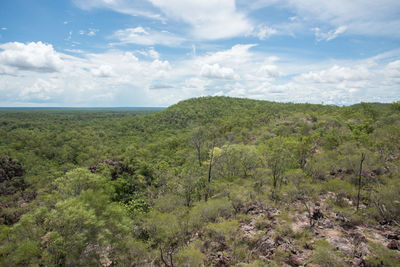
(393, 69)
(38, 57)
(336, 74)
(142, 36)
(237, 71)
(41, 90)
(103, 71)
(269, 70)
(217, 72)
(330, 35)
(236, 55)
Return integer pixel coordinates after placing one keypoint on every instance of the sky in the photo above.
(122, 53)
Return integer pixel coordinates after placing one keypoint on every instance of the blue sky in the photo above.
(158, 52)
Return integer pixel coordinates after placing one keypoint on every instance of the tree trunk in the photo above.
(359, 179)
(211, 159)
(162, 258)
(199, 155)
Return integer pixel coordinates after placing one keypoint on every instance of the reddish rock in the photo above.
(294, 260)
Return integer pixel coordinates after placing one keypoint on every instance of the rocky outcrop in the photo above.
(11, 176)
(119, 167)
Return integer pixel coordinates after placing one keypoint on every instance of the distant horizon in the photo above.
(83, 107)
(165, 107)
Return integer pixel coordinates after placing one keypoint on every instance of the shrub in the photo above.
(326, 255)
(190, 256)
(210, 211)
(382, 256)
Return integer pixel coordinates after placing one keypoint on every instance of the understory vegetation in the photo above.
(211, 181)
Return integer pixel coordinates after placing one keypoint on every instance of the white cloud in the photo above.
(38, 57)
(207, 20)
(210, 20)
(92, 32)
(3, 28)
(330, 35)
(216, 72)
(264, 32)
(368, 17)
(133, 8)
(41, 90)
(149, 53)
(142, 36)
(238, 71)
(103, 71)
(362, 17)
(269, 70)
(393, 69)
(336, 74)
(237, 55)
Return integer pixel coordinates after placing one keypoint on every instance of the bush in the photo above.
(382, 256)
(190, 256)
(210, 211)
(343, 189)
(326, 255)
(223, 230)
(262, 223)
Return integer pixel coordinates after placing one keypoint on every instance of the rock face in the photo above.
(117, 164)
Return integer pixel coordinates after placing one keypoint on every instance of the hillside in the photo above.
(210, 181)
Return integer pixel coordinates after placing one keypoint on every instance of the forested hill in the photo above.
(210, 181)
(211, 109)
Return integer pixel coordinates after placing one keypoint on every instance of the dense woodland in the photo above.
(211, 181)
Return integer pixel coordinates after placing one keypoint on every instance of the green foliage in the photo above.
(210, 211)
(342, 190)
(236, 160)
(382, 256)
(191, 256)
(327, 255)
(225, 229)
(395, 106)
(387, 201)
(149, 196)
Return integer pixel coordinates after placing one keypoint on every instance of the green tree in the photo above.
(278, 156)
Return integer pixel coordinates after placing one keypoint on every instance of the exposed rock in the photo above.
(394, 236)
(361, 250)
(11, 176)
(214, 245)
(9, 169)
(394, 244)
(317, 214)
(266, 245)
(295, 260)
(222, 260)
(117, 164)
(341, 244)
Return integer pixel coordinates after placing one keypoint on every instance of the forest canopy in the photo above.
(210, 181)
